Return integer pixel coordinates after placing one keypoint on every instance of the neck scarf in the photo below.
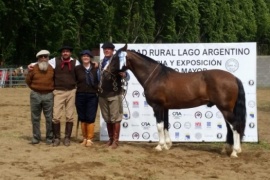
(67, 62)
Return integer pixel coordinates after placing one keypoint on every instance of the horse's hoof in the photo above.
(239, 150)
(158, 148)
(234, 154)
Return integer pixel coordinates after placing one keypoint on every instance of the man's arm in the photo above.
(51, 62)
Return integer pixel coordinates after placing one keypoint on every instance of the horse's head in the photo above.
(118, 61)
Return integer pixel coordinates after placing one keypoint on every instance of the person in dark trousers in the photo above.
(86, 96)
(110, 98)
(41, 81)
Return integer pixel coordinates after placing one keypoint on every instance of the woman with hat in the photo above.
(86, 96)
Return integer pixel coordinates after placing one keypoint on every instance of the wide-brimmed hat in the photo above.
(65, 47)
(43, 52)
(108, 45)
(89, 53)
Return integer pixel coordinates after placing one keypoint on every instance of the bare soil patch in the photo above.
(21, 160)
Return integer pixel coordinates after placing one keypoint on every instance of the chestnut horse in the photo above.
(165, 89)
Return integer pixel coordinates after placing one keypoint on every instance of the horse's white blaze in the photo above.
(167, 139)
(160, 127)
(236, 142)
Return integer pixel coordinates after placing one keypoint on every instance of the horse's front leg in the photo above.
(161, 143)
(160, 128)
(168, 141)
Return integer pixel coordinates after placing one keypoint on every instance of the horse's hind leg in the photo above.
(160, 128)
(168, 141)
(236, 148)
(227, 149)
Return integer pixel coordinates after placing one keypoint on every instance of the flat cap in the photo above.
(43, 52)
(89, 53)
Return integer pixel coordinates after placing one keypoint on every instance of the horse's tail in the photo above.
(239, 110)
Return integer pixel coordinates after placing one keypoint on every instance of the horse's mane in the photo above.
(164, 69)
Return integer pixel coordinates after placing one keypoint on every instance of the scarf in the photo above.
(63, 62)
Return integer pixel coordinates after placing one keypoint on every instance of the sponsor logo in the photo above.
(177, 135)
(177, 125)
(136, 94)
(251, 82)
(198, 136)
(219, 115)
(145, 125)
(208, 114)
(198, 125)
(208, 124)
(146, 115)
(125, 125)
(135, 114)
(219, 125)
(177, 115)
(145, 135)
(135, 104)
(155, 135)
(251, 125)
(251, 115)
(145, 104)
(232, 65)
(187, 137)
(135, 125)
(198, 115)
(143, 94)
(126, 115)
(135, 135)
(219, 135)
(187, 125)
(251, 104)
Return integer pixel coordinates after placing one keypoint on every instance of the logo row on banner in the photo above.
(195, 124)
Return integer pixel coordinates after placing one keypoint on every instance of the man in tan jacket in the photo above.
(41, 81)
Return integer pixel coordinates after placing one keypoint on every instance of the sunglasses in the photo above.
(43, 56)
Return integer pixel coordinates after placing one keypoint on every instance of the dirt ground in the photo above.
(21, 160)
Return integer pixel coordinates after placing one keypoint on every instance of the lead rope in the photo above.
(150, 75)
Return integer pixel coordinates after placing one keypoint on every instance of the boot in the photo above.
(83, 126)
(110, 133)
(116, 135)
(68, 131)
(56, 134)
(90, 134)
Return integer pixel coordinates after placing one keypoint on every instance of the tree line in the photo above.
(30, 25)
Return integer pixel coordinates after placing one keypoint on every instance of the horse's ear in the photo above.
(125, 48)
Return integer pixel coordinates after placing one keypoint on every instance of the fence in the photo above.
(11, 77)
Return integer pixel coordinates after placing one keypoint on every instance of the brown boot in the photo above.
(90, 134)
(56, 134)
(116, 133)
(110, 134)
(83, 126)
(68, 131)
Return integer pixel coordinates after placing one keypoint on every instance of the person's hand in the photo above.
(95, 64)
(123, 74)
(30, 67)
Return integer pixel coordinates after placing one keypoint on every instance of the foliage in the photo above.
(30, 25)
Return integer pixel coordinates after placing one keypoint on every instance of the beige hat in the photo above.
(43, 52)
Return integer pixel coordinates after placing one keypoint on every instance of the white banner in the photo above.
(196, 124)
